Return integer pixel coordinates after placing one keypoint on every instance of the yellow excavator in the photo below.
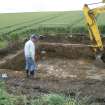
(94, 33)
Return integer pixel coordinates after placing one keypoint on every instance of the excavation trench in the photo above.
(52, 50)
(64, 68)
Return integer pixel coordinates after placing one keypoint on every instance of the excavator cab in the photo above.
(94, 33)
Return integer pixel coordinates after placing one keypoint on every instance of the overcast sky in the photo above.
(42, 5)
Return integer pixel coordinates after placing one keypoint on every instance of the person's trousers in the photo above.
(30, 65)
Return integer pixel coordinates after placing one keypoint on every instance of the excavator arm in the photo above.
(95, 37)
(98, 10)
(94, 33)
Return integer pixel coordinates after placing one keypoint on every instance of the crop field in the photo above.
(46, 22)
(50, 23)
(67, 72)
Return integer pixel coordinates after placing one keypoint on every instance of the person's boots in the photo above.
(27, 73)
(32, 74)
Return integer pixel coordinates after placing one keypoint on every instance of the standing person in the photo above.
(29, 51)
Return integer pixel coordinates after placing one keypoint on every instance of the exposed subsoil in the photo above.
(76, 77)
(70, 77)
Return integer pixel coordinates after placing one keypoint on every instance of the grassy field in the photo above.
(40, 22)
(3, 44)
(22, 22)
(44, 23)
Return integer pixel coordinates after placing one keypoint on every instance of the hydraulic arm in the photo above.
(94, 33)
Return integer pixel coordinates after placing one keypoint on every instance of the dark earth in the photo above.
(82, 77)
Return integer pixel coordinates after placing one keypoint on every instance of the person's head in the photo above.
(34, 38)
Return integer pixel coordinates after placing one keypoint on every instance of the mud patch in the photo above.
(66, 68)
(60, 75)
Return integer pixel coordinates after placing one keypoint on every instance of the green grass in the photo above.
(40, 22)
(48, 99)
(47, 18)
(3, 44)
(49, 23)
(45, 22)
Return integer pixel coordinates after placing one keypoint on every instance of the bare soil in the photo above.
(60, 75)
(67, 68)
